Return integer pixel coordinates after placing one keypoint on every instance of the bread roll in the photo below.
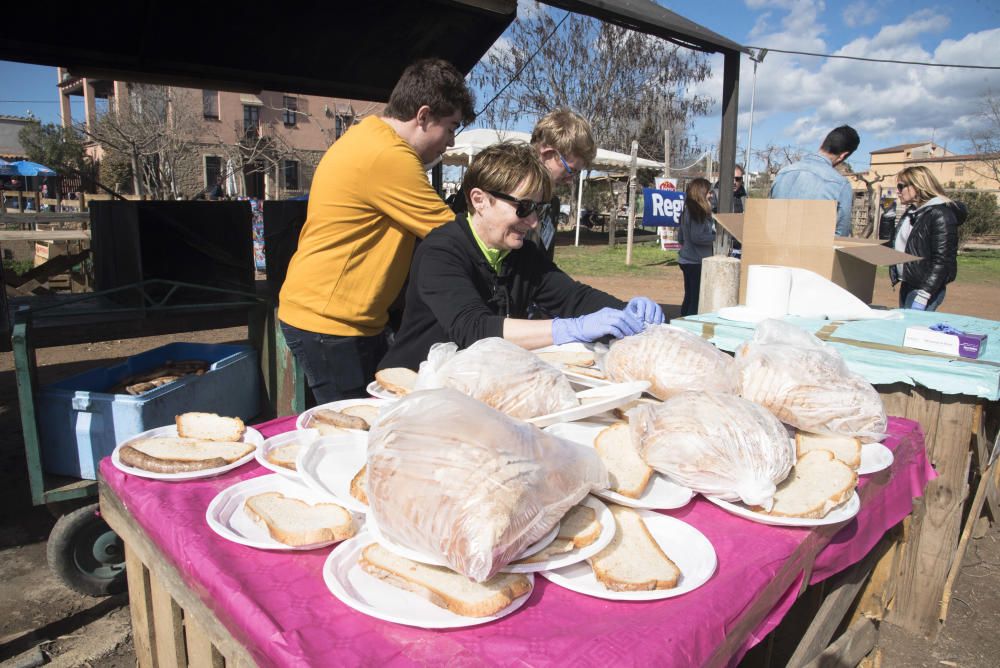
(672, 360)
(453, 478)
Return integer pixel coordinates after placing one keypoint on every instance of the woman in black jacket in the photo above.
(929, 230)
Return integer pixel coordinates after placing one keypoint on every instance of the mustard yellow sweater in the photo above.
(369, 201)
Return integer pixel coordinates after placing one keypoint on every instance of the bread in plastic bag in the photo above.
(672, 360)
(499, 373)
(807, 384)
(714, 443)
(451, 477)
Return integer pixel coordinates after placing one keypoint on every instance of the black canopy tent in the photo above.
(354, 50)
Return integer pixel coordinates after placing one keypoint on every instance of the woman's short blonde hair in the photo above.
(505, 166)
(567, 132)
(925, 183)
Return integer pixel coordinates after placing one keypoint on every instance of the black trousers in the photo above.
(336, 367)
(692, 286)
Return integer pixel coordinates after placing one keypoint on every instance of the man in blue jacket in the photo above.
(815, 176)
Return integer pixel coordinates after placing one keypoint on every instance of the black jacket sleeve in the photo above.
(559, 294)
(940, 265)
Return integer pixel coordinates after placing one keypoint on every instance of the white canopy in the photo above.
(471, 142)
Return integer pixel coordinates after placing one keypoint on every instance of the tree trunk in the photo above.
(136, 173)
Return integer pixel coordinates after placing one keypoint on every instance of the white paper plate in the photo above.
(571, 371)
(413, 555)
(329, 463)
(376, 598)
(661, 493)
(251, 435)
(380, 392)
(874, 457)
(840, 514)
(593, 401)
(607, 521)
(305, 419)
(227, 516)
(686, 546)
(303, 437)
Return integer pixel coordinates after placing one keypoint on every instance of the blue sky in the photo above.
(798, 98)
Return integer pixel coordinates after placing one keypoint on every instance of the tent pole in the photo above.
(579, 204)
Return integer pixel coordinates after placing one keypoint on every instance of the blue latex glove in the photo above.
(587, 328)
(920, 300)
(946, 328)
(646, 310)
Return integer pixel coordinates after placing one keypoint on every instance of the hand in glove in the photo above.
(646, 310)
(920, 300)
(587, 328)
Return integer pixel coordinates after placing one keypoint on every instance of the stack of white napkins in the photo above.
(774, 292)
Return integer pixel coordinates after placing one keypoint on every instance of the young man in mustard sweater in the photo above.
(370, 200)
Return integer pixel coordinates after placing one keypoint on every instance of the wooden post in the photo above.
(666, 153)
(613, 214)
(631, 204)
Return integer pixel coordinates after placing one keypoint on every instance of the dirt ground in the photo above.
(43, 621)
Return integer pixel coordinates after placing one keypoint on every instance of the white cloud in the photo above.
(862, 13)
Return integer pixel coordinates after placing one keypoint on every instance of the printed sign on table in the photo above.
(661, 207)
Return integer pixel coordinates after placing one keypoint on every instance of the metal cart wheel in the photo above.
(86, 554)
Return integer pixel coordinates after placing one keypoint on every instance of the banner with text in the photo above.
(661, 207)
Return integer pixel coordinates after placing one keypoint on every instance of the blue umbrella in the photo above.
(28, 168)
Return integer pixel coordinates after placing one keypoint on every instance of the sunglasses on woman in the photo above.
(524, 207)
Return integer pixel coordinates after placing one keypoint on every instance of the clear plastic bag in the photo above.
(672, 360)
(717, 444)
(451, 477)
(807, 384)
(501, 374)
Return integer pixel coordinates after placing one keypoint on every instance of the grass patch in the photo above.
(647, 260)
(18, 266)
(981, 267)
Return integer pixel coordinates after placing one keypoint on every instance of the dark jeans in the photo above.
(907, 293)
(336, 367)
(692, 286)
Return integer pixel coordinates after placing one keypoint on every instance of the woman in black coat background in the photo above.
(928, 229)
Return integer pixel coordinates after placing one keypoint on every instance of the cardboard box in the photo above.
(800, 233)
(958, 345)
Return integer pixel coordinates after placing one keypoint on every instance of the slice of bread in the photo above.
(627, 471)
(398, 380)
(366, 412)
(297, 523)
(578, 528)
(284, 455)
(337, 419)
(818, 483)
(210, 427)
(580, 525)
(633, 561)
(444, 587)
(845, 448)
(582, 358)
(179, 455)
(327, 429)
(358, 483)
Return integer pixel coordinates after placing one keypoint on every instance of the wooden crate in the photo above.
(171, 626)
(956, 431)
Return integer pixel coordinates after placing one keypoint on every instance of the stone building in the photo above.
(264, 144)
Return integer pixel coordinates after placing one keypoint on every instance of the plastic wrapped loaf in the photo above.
(672, 361)
(499, 373)
(716, 444)
(807, 384)
(451, 477)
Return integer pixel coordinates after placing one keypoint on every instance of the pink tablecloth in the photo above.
(277, 605)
